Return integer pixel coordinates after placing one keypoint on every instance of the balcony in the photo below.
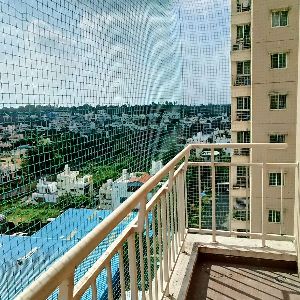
(243, 115)
(242, 44)
(241, 152)
(180, 242)
(242, 80)
(243, 7)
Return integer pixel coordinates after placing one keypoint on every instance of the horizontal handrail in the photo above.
(48, 281)
(60, 270)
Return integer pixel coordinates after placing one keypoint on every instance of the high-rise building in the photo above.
(264, 58)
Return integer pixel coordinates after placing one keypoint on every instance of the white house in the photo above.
(112, 194)
(156, 166)
(46, 191)
(69, 182)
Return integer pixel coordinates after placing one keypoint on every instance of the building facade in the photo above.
(264, 64)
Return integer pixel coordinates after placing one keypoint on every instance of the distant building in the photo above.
(46, 191)
(156, 166)
(69, 182)
(112, 194)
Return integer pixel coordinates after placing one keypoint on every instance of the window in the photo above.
(277, 138)
(274, 216)
(243, 102)
(275, 179)
(278, 61)
(242, 173)
(243, 136)
(280, 18)
(243, 32)
(244, 67)
(278, 101)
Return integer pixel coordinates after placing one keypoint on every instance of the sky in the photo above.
(67, 53)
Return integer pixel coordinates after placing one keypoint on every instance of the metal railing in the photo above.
(243, 115)
(242, 44)
(242, 80)
(148, 247)
(243, 7)
(241, 152)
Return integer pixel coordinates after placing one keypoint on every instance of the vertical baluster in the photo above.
(181, 207)
(66, 288)
(165, 243)
(168, 230)
(154, 255)
(160, 242)
(122, 274)
(200, 197)
(176, 217)
(172, 234)
(132, 267)
(213, 196)
(94, 290)
(109, 282)
(149, 259)
(185, 199)
(141, 251)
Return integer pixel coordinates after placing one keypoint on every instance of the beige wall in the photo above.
(297, 185)
(264, 41)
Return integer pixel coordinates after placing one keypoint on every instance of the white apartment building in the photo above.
(69, 182)
(46, 191)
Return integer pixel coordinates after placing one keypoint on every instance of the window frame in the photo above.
(283, 135)
(243, 68)
(246, 135)
(278, 61)
(278, 181)
(280, 11)
(274, 216)
(245, 101)
(277, 99)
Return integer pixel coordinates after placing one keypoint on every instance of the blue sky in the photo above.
(118, 51)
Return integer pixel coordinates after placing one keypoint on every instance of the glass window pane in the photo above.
(247, 67)
(284, 18)
(240, 32)
(275, 19)
(239, 103)
(274, 61)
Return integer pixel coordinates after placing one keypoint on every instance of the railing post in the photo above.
(142, 214)
(132, 267)
(247, 204)
(181, 207)
(213, 195)
(171, 179)
(165, 244)
(200, 197)
(263, 237)
(66, 288)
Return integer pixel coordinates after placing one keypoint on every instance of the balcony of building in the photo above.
(243, 6)
(242, 44)
(242, 80)
(181, 243)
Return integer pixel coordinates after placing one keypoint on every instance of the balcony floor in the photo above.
(217, 277)
(243, 279)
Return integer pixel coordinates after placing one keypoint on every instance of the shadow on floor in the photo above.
(218, 277)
